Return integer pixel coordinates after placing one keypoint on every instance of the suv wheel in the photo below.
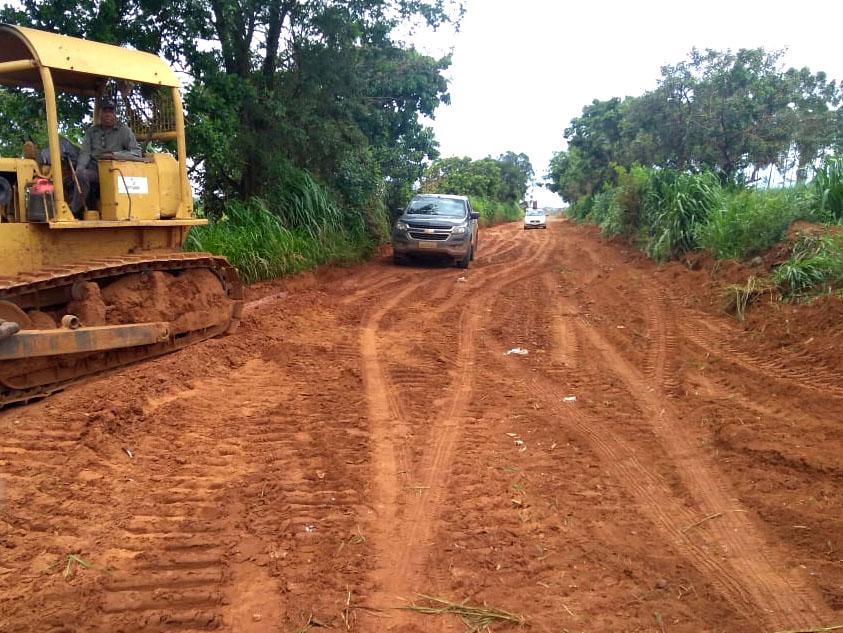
(463, 263)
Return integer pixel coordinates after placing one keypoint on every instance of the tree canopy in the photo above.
(734, 114)
(503, 179)
(283, 85)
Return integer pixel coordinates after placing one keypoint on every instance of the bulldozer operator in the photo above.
(109, 139)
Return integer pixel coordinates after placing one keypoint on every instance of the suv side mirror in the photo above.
(474, 215)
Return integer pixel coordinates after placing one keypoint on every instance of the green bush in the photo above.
(828, 184)
(630, 191)
(816, 264)
(494, 211)
(257, 243)
(751, 221)
(605, 212)
(674, 204)
(580, 211)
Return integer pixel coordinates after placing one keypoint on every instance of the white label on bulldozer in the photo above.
(133, 185)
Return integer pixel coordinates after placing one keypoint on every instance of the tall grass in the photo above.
(828, 184)
(674, 204)
(258, 244)
(669, 212)
(301, 203)
(494, 211)
(605, 212)
(751, 221)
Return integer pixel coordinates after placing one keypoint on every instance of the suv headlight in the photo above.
(459, 230)
(401, 226)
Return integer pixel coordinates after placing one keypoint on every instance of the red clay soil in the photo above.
(366, 438)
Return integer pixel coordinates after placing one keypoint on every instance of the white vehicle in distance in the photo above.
(535, 219)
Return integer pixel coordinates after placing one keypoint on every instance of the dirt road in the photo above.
(366, 438)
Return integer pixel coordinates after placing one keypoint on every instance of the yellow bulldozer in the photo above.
(79, 295)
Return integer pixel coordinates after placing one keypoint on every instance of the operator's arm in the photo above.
(130, 148)
(85, 151)
(132, 145)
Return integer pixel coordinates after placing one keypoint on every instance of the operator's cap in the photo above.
(107, 104)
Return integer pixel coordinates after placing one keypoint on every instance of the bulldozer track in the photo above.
(32, 290)
(29, 285)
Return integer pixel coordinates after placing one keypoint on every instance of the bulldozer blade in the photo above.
(31, 343)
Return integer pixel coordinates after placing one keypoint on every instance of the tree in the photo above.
(731, 113)
(317, 84)
(569, 176)
(596, 135)
(516, 175)
(501, 180)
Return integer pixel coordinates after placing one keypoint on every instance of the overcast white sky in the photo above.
(522, 69)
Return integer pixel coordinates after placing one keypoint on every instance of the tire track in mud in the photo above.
(660, 366)
(385, 413)
(403, 546)
(733, 557)
(245, 477)
(779, 599)
(750, 574)
(380, 286)
(787, 368)
(37, 452)
(503, 246)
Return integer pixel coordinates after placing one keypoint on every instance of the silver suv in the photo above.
(436, 226)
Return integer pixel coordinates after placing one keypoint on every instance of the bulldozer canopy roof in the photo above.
(77, 65)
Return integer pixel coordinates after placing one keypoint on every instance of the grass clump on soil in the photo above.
(815, 266)
(73, 562)
(476, 618)
(263, 244)
(738, 297)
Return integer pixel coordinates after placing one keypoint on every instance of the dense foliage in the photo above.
(495, 185)
(732, 114)
(683, 166)
(278, 87)
(505, 178)
(669, 213)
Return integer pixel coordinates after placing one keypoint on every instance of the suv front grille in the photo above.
(418, 225)
(416, 235)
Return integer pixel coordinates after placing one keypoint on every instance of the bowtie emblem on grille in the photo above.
(429, 231)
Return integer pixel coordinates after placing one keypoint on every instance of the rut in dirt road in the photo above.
(732, 549)
(365, 438)
(403, 541)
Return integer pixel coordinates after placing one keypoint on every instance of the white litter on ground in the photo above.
(517, 350)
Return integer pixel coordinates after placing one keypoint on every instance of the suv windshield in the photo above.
(535, 212)
(437, 206)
